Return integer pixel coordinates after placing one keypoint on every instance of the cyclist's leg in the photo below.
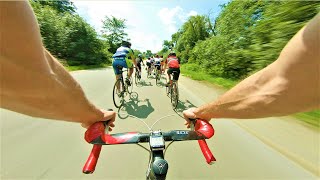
(139, 68)
(116, 70)
(129, 65)
(159, 69)
(169, 71)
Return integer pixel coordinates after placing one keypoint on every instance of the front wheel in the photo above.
(118, 93)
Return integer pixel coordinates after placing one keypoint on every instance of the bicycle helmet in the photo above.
(126, 44)
(172, 53)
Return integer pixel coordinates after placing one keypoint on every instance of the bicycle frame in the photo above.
(97, 135)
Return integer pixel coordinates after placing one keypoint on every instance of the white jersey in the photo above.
(156, 60)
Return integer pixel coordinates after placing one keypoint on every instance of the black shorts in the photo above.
(176, 73)
(148, 64)
(139, 66)
(157, 66)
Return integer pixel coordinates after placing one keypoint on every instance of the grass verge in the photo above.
(84, 67)
(194, 72)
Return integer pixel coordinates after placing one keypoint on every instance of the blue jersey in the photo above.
(123, 53)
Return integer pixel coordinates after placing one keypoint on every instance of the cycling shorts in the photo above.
(157, 66)
(176, 73)
(123, 62)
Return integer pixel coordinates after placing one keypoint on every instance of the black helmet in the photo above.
(172, 53)
(126, 44)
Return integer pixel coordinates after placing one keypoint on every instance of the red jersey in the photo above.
(173, 62)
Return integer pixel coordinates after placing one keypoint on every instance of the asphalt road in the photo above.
(34, 148)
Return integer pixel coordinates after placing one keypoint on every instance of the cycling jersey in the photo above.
(122, 57)
(156, 61)
(173, 62)
(148, 62)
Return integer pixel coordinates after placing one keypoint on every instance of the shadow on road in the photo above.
(135, 107)
(183, 105)
(144, 83)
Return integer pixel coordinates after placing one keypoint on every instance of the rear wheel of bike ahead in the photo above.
(174, 96)
(137, 78)
(158, 76)
(129, 88)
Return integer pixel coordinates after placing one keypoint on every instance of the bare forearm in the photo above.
(32, 81)
(289, 85)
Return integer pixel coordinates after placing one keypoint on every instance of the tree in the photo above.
(67, 36)
(149, 53)
(195, 29)
(61, 6)
(113, 31)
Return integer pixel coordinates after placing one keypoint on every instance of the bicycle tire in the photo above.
(137, 79)
(129, 88)
(157, 77)
(168, 90)
(118, 98)
(174, 95)
(149, 74)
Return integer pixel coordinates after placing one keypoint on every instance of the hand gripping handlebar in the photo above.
(98, 135)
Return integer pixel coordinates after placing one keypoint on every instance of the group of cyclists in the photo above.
(125, 58)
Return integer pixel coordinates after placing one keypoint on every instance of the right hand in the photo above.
(189, 114)
(193, 113)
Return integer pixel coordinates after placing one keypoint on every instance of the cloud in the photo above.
(172, 18)
(145, 41)
(97, 10)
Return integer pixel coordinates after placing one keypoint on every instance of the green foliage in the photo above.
(61, 6)
(148, 53)
(277, 26)
(113, 31)
(248, 36)
(68, 36)
(195, 29)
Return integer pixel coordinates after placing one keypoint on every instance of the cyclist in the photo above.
(124, 57)
(173, 64)
(162, 64)
(139, 61)
(148, 65)
(157, 64)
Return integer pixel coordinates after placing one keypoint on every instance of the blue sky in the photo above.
(149, 22)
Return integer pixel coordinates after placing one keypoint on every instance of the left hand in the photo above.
(107, 116)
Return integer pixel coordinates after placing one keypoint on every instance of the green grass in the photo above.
(312, 117)
(84, 67)
(194, 72)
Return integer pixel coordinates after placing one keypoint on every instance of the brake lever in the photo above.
(105, 123)
(192, 124)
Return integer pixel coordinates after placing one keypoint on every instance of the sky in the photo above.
(148, 22)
